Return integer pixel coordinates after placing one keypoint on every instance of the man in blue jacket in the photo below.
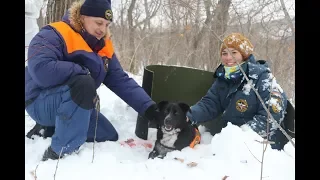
(68, 61)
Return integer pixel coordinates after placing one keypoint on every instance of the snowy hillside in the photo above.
(231, 153)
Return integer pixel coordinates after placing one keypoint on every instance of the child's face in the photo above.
(227, 59)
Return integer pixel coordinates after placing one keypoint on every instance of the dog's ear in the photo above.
(185, 107)
(162, 104)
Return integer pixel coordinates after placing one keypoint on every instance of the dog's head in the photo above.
(173, 115)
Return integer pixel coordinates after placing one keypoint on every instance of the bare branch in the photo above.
(54, 176)
(238, 17)
(287, 16)
(97, 106)
(154, 12)
(35, 171)
(252, 153)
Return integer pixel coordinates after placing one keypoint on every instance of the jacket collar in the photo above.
(95, 44)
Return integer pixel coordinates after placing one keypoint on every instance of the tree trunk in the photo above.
(198, 37)
(132, 48)
(41, 21)
(287, 17)
(56, 9)
(147, 23)
(220, 19)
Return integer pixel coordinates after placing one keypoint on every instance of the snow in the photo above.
(230, 153)
(247, 87)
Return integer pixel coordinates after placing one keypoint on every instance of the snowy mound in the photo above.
(240, 154)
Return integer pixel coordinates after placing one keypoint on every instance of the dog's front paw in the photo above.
(153, 154)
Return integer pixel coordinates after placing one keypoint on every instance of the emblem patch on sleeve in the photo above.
(105, 63)
(276, 106)
(241, 105)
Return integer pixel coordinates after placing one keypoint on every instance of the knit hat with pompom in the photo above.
(238, 42)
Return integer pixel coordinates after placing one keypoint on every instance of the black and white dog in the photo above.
(173, 131)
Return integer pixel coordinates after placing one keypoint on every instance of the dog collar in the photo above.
(196, 140)
(166, 147)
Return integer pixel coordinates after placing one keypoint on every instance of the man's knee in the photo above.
(82, 90)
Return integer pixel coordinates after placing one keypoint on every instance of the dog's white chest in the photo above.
(169, 138)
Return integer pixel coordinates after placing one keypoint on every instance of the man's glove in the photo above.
(152, 114)
(149, 118)
(190, 115)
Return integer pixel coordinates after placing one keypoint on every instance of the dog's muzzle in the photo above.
(168, 126)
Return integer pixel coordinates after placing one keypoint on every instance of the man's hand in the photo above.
(152, 113)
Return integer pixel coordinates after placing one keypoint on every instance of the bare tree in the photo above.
(132, 28)
(199, 35)
(147, 22)
(131, 35)
(287, 17)
(220, 19)
(180, 32)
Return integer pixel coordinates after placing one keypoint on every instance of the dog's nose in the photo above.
(166, 121)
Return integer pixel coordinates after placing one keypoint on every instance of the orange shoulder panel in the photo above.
(107, 50)
(73, 40)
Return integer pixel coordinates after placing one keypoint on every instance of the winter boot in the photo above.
(50, 154)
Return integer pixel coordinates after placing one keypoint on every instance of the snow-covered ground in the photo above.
(231, 153)
(234, 154)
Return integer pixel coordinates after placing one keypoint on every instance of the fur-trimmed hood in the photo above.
(73, 16)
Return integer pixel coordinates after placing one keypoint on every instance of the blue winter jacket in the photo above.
(237, 103)
(50, 64)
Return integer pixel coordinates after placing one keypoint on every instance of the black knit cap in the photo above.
(97, 8)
